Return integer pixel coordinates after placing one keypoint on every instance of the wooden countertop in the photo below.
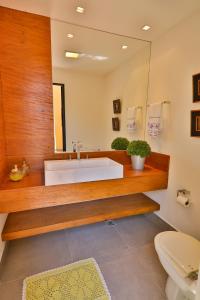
(30, 193)
(36, 178)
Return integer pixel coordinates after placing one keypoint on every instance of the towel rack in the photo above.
(136, 107)
(163, 102)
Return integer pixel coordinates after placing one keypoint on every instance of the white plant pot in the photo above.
(137, 162)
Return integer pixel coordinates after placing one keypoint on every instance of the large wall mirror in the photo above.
(91, 69)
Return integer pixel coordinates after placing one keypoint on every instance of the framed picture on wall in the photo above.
(195, 123)
(115, 124)
(196, 88)
(117, 106)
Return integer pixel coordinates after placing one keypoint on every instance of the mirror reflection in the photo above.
(100, 83)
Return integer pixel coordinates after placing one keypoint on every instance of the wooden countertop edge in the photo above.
(46, 196)
(128, 173)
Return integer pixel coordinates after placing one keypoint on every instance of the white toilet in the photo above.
(179, 254)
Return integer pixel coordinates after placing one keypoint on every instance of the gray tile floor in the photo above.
(125, 253)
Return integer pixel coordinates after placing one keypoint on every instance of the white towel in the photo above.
(131, 112)
(154, 119)
(131, 119)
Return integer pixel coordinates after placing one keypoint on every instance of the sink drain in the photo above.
(110, 223)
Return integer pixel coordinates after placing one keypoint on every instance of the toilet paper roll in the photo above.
(183, 200)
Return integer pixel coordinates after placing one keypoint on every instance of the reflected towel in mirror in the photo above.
(131, 119)
(131, 125)
(154, 119)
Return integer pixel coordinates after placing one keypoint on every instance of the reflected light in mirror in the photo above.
(70, 35)
(94, 57)
(146, 27)
(69, 54)
(80, 9)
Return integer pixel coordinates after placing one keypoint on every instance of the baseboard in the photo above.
(175, 228)
(3, 254)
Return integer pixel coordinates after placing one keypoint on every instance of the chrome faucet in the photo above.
(77, 148)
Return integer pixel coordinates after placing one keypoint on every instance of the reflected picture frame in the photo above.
(196, 88)
(195, 123)
(115, 124)
(117, 106)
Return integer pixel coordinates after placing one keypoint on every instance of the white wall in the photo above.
(175, 58)
(84, 95)
(129, 82)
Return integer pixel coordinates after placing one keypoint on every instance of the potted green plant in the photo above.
(138, 150)
(120, 143)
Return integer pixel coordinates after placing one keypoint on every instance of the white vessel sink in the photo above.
(83, 170)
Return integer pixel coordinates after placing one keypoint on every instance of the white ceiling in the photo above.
(124, 17)
(92, 43)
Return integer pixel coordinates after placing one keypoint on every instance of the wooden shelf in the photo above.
(38, 221)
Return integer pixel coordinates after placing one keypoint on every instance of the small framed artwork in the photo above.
(115, 124)
(196, 88)
(195, 123)
(117, 106)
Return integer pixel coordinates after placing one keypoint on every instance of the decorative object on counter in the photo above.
(25, 168)
(196, 87)
(117, 106)
(115, 124)
(138, 150)
(195, 123)
(16, 174)
(154, 119)
(120, 143)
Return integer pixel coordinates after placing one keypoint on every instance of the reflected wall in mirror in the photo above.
(59, 117)
(97, 68)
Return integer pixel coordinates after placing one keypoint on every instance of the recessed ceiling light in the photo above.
(70, 35)
(124, 47)
(80, 9)
(69, 54)
(146, 27)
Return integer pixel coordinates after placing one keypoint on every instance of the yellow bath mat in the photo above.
(81, 280)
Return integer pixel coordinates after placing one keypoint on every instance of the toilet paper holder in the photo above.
(183, 192)
(186, 195)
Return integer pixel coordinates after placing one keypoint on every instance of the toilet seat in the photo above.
(181, 248)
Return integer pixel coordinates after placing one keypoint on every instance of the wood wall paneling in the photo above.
(25, 62)
(3, 161)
